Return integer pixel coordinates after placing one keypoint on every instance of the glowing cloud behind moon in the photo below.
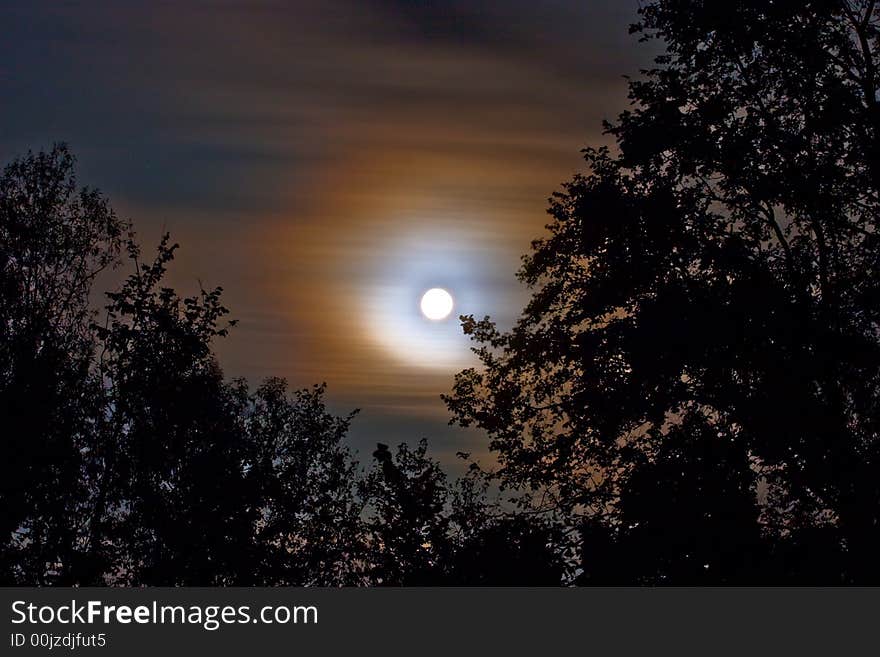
(436, 304)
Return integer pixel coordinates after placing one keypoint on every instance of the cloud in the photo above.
(296, 150)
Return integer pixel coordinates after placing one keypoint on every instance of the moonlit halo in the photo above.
(411, 263)
(436, 304)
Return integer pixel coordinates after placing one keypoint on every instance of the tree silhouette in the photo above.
(310, 528)
(55, 239)
(172, 496)
(409, 528)
(496, 545)
(129, 458)
(424, 531)
(688, 514)
(699, 360)
(204, 482)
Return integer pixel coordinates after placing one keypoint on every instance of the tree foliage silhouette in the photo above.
(173, 452)
(203, 481)
(699, 360)
(424, 531)
(55, 239)
(408, 492)
(130, 460)
(307, 479)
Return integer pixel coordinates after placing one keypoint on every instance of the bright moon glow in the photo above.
(395, 318)
(436, 303)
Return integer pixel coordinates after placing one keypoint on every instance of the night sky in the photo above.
(328, 162)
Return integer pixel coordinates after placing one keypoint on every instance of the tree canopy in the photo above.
(705, 308)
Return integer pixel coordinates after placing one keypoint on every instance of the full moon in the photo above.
(436, 303)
